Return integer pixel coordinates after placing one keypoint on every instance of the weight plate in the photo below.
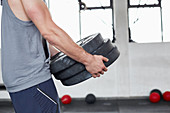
(62, 61)
(84, 75)
(103, 50)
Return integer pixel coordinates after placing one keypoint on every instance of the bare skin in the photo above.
(53, 50)
(38, 13)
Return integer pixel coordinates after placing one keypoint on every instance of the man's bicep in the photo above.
(38, 12)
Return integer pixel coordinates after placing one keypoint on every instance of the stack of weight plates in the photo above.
(71, 72)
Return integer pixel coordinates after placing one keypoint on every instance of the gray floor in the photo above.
(105, 106)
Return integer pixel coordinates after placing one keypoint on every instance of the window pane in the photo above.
(65, 13)
(142, 2)
(145, 24)
(166, 19)
(96, 3)
(97, 21)
(0, 26)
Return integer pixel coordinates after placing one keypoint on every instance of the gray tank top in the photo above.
(23, 59)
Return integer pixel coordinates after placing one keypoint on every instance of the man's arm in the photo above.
(38, 12)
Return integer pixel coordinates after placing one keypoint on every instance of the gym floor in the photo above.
(105, 106)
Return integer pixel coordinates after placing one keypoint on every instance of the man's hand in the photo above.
(95, 65)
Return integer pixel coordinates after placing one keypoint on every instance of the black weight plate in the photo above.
(56, 56)
(62, 61)
(103, 50)
(84, 75)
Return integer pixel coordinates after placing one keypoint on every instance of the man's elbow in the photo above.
(50, 36)
(46, 34)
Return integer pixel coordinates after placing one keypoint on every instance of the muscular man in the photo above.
(25, 68)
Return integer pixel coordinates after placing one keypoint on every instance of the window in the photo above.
(96, 17)
(0, 22)
(96, 21)
(79, 23)
(148, 20)
(166, 20)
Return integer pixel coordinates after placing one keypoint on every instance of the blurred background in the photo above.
(139, 28)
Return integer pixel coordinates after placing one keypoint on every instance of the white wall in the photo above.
(139, 68)
(149, 67)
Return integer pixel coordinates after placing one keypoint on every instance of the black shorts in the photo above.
(42, 98)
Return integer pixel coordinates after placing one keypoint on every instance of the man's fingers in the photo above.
(105, 59)
(96, 75)
(101, 72)
(102, 69)
(105, 69)
(93, 75)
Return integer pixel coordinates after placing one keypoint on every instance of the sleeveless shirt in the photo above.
(23, 59)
